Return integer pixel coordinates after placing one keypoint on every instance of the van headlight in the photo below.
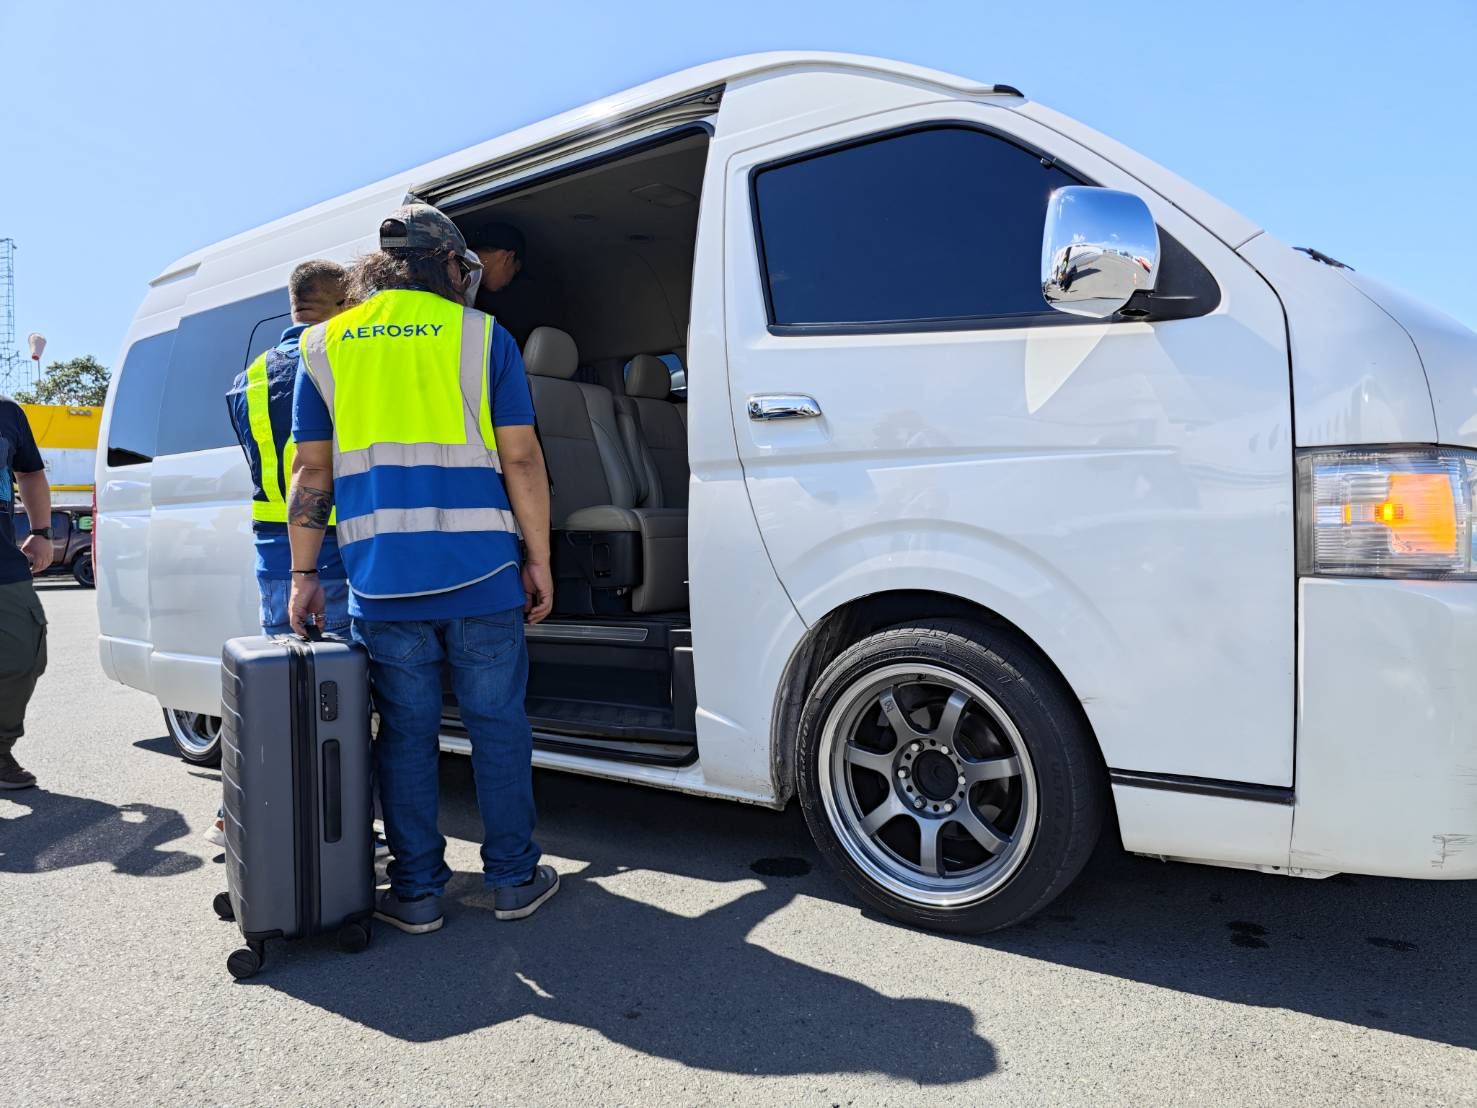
(1386, 512)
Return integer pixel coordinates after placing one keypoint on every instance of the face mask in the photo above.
(474, 277)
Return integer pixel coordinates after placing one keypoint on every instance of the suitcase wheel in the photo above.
(222, 906)
(243, 963)
(354, 937)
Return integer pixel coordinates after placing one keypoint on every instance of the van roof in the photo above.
(672, 87)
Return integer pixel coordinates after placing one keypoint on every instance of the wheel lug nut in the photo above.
(949, 807)
(943, 750)
(918, 803)
(961, 779)
(903, 772)
(914, 748)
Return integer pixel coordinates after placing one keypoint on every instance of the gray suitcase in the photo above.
(295, 761)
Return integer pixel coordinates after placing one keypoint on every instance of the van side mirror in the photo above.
(1099, 247)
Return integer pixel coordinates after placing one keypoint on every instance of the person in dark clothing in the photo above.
(501, 249)
(22, 619)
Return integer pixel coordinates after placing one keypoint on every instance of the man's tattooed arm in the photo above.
(309, 508)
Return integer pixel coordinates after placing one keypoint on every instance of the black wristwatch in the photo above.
(44, 532)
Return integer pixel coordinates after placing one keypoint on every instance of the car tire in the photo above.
(948, 774)
(196, 736)
(82, 570)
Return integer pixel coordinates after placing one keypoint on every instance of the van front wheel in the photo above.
(945, 771)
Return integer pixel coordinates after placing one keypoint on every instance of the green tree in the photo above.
(81, 382)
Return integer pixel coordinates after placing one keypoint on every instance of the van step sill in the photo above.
(454, 737)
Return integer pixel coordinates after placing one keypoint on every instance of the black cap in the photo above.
(501, 236)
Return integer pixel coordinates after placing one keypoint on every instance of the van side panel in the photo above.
(1357, 377)
(744, 627)
(202, 585)
(121, 526)
(1122, 492)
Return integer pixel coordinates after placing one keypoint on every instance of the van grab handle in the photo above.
(784, 406)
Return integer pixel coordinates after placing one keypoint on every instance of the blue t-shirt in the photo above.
(273, 554)
(511, 406)
(18, 454)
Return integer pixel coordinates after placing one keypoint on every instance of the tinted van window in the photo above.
(211, 348)
(133, 429)
(933, 225)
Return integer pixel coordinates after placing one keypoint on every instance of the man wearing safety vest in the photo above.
(414, 423)
(260, 402)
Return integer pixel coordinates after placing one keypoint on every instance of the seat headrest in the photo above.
(648, 377)
(550, 352)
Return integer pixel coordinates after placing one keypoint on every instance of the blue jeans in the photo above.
(489, 674)
(276, 591)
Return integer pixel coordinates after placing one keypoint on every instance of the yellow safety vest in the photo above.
(417, 483)
(276, 459)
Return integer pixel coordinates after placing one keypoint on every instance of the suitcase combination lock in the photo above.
(328, 701)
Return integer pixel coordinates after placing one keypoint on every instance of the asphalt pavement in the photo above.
(699, 952)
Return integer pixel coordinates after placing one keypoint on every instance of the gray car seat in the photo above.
(593, 487)
(654, 434)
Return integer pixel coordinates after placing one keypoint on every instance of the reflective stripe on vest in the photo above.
(274, 508)
(418, 486)
(276, 464)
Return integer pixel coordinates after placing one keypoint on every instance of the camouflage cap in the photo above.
(420, 227)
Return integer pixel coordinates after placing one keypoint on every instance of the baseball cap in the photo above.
(420, 227)
(503, 236)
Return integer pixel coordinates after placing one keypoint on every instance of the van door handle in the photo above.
(783, 406)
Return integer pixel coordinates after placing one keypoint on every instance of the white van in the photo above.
(1013, 486)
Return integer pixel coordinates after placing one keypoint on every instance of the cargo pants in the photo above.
(22, 658)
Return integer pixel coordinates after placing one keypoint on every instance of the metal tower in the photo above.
(14, 373)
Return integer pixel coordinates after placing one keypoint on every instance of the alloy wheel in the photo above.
(928, 784)
(195, 733)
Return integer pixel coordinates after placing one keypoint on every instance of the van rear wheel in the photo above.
(947, 774)
(197, 737)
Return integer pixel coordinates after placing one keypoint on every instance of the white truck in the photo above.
(1017, 487)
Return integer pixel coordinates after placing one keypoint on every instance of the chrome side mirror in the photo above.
(1099, 247)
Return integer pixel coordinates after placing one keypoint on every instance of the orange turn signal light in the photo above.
(1420, 511)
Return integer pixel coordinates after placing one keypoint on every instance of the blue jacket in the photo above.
(273, 555)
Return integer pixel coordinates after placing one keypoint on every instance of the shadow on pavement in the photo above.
(1376, 952)
(54, 831)
(161, 744)
(1388, 954)
(690, 989)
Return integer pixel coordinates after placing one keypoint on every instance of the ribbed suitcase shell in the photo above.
(295, 760)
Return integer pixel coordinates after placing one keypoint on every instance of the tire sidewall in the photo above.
(1066, 767)
(210, 757)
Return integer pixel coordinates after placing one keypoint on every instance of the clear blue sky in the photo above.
(135, 133)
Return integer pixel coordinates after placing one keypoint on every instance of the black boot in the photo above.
(11, 774)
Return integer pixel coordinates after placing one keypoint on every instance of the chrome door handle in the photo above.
(783, 406)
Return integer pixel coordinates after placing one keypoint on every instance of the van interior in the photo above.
(600, 311)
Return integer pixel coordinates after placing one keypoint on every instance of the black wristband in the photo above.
(307, 572)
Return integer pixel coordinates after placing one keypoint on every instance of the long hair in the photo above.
(400, 269)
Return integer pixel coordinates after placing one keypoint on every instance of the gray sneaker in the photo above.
(12, 776)
(518, 901)
(414, 917)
